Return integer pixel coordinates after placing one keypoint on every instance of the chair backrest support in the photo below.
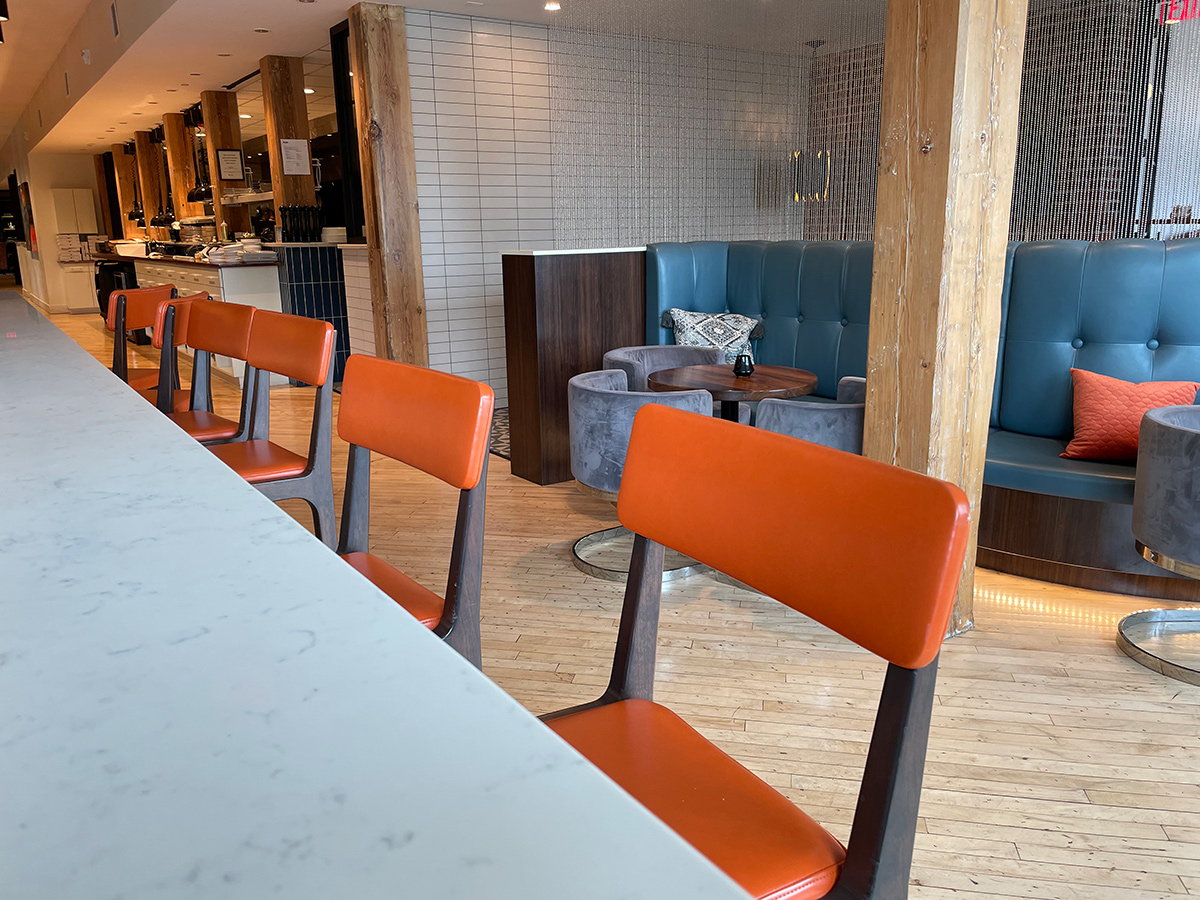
(170, 332)
(381, 401)
(130, 310)
(220, 328)
(701, 463)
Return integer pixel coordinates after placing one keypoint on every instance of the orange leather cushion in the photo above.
(260, 460)
(142, 379)
(870, 550)
(183, 399)
(141, 306)
(383, 401)
(204, 426)
(423, 603)
(222, 328)
(294, 346)
(747, 828)
(1108, 412)
(183, 308)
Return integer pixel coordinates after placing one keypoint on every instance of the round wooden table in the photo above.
(780, 382)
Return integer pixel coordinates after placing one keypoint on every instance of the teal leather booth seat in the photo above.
(1129, 309)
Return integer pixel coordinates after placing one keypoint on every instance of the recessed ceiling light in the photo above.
(243, 115)
(137, 114)
(309, 91)
(152, 102)
(172, 90)
(474, 2)
(224, 54)
(552, 6)
(262, 30)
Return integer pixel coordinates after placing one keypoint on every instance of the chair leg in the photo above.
(608, 535)
(324, 521)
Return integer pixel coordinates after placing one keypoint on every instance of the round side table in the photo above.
(780, 382)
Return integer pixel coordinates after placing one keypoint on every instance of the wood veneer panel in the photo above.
(1084, 543)
(948, 136)
(562, 313)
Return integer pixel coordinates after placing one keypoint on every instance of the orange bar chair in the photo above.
(437, 423)
(299, 348)
(171, 332)
(223, 329)
(130, 310)
(872, 551)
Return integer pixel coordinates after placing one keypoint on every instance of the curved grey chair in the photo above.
(838, 424)
(1166, 529)
(601, 409)
(639, 363)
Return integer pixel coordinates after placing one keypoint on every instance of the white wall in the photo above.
(43, 277)
(527, 138)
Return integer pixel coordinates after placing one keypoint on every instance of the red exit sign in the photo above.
(1172, 11)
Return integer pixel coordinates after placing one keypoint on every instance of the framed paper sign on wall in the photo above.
(230, 166)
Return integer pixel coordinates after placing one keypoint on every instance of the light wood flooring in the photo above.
(1057, 767)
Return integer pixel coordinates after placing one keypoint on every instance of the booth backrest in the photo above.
(813, 298)
(1129, 309)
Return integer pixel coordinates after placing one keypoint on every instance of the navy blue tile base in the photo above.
(312, 285)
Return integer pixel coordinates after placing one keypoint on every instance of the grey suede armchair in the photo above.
(639, 363)
(838, 424)
(601, 409)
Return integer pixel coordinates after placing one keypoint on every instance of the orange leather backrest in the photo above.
(870, 550)
(141, 306)
(433, 421)
(222, 328)
(183, 309)
(295, 346)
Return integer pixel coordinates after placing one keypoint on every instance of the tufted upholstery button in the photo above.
(799, 318)
(1152, 344)
(845, 322)
(1077, 343)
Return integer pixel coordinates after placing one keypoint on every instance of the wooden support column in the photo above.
(149, 163)
(223, 131)
(106, 210)
(383, 111)
(948, 137)
(286, 113)
(181, 165)
(126, 171)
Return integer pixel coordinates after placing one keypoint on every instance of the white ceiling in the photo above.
(199, 45)
(30, 46)
(196, 45)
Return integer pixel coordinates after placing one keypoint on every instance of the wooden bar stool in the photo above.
(299, 348)
(222, 329)
(440, 424)
(130, 310)
(171, 332)
(872, 551)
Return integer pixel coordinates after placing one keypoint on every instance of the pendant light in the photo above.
(1, 35)
(3, 10)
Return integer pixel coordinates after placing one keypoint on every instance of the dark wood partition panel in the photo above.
(562, 313)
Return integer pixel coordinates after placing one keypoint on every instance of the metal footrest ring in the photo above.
(608, 535)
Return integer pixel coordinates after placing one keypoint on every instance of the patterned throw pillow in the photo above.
(1108, 412)
(726, 331)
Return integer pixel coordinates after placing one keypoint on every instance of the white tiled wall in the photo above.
(358, 300)
(480, 92)
(537, 138)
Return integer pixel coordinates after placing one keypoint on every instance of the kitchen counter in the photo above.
(178, 261)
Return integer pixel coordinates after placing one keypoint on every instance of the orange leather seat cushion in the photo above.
(204, 426)
(423, 603)
(1108, 412)
(183, 399)
(143, 379)
(747, 828)
(260, 460)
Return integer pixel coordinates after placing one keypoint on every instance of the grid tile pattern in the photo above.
(359, 316)
(480, 91)
(311, 284)
(660, 140)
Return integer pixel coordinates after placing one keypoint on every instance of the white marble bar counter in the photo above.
(199, 700)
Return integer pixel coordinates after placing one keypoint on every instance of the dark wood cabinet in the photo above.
(562, 313)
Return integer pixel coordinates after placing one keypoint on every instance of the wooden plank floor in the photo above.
(1057, 768)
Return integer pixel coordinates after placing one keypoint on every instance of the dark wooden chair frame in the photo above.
(120, 363)
(459, 625)
(315, 484)
(880, 850)
(201, 382)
